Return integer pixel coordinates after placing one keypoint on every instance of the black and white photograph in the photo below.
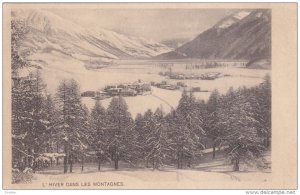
(103, 98)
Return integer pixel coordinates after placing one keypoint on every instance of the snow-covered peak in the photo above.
(259, 14)
(46, 21)
(73, 39)
(227, 23)
(232, 19)
(242, 14)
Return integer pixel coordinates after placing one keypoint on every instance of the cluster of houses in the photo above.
(182, 76)
(177, 86)
(134, 89)
(124, 89)
(165, 85)
(216, 64)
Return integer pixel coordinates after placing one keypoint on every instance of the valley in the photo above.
(129, 71)
(200, 105)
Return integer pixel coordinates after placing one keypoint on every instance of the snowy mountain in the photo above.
(242, 35)
(55, 37)
(230, 20)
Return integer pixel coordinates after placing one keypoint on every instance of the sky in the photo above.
(153, 24)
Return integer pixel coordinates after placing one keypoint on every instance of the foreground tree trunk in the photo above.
(71, 167)
(30, 159)
(266, 141)
(82, 163)
(65, 164)
(147, 163)
(99, 164)
(71, 162)
(236, 166)
(116, 164)
(153, 163)
(214, 150)
(181, 160)
(178, 161)
(65, 159)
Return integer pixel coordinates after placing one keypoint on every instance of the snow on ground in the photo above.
(62, 67)
(132, 178)
(215, 173)
(159, 98)
(242, 14)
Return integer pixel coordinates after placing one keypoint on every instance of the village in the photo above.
(182, 76)
(186, 75)
(136, 88)
(123, 89)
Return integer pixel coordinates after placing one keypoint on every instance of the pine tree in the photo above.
(120, 132)
(99, 127)
(158, 146)
(29, 112)
(50, 137)
(264, 98)
(20, 97)
(212, 130)
(240, 125)
(148, 125)
(260, 100)
(85, 136)
(62, 123)
(140, 131)
(72, 123)
(19, 30)
(186, 129)
(40, 121)
(50, 112)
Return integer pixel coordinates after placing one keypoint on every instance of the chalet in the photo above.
(125, 89)
(113, 91)
(170, 87)
(128, 92)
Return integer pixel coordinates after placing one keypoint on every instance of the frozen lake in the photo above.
(131, 71)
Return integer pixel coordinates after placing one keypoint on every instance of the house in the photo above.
(128, 92)
(114, 91)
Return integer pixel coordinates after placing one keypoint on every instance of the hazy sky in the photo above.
(155, 24)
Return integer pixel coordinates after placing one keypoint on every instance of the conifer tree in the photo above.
(120, 132)
(99, 127)
(72, 122)
(241, 133)
(212, 130)
(186, 130)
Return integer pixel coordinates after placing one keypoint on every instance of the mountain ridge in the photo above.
(49, 32)
(247, 38)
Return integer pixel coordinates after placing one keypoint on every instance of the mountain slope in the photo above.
(175, 43)
(51, 34)
(243, 35)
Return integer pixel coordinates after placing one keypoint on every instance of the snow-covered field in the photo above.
(148, 178)
(164, 99)
(215, 173)
(145, 178)
(59, 68)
